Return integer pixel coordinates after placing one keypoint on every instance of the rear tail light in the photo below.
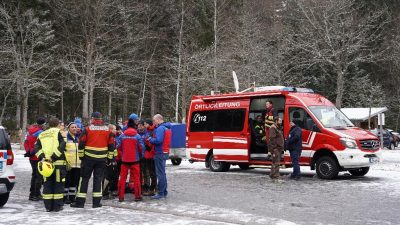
(10, 157)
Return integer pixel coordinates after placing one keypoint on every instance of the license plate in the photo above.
(374, 160)
(3, 188)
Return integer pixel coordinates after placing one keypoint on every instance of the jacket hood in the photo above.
(166, 124)
(130, 132)
(33, 129)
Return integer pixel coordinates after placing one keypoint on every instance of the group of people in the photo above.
(271, 132)
(63, 160)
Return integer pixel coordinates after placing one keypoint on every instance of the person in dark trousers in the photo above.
(131, 146)
(36, 180)
(275, 146)
(161, 140)
(73, 163)
(150, 178)
(294, 145)
(50, 146)
(96, 149)
(110, 180)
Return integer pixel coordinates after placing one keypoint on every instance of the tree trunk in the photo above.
(339, 88)
(25, 95)
(153, 101)
(91, 88)
(215, 47)
(125, 106)
(109, 106)
(62, 99)
(85, 104)
(18, 111)
(184, 98)
(179, 66)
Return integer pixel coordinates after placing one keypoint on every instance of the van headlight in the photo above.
(348, 143)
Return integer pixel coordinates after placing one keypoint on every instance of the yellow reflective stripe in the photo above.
(60, 163)
(58, 196)
(39, 153)
(115, 153)
(96, 149)
(58, 153)
(58, 178)
(63, 180)
(81, 195)
(110, 155)
(102, 156)
(97, 194)
(48, 196)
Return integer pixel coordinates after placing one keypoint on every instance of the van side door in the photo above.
(230, 137)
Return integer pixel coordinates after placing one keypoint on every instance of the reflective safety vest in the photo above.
(97, 138)
(269, 119)
(49, 141)
(71, 151)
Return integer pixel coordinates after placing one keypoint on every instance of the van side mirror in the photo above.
(316, 129)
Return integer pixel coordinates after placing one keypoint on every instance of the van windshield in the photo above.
(331, 117)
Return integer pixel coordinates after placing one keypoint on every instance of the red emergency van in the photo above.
(220, 132)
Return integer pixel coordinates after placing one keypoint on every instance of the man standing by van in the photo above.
(270, 114)
(161, 140)
(275, 146)
(294, 144)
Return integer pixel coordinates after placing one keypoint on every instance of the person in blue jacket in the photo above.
(294, 145)
(161, 140)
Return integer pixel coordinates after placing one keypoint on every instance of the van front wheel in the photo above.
(176, 161)
(218, 166)
(4, 199)
(327, 168)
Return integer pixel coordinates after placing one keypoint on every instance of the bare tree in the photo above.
(333, 36)
(26, 37)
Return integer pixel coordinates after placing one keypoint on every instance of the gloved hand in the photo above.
(27, 154)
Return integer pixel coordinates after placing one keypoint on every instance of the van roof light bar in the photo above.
(283, 88)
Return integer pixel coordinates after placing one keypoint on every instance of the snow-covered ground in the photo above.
(198, 196)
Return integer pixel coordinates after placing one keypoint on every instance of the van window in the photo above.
(302, 119)
(218, 120)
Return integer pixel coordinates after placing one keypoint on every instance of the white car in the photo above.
(7, 176)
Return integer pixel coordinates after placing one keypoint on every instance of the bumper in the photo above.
(355, 158)
(6, 185)
(177, 153)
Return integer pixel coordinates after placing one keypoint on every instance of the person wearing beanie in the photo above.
(36, 179)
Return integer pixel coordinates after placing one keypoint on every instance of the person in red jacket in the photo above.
(131, 145)
(29, 144)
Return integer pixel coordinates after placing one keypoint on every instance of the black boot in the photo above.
(77, 205)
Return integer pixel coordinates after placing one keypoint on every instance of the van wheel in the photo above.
(359, 172)
(218, 166)
(244, 166)
(327, 168)
(176, 162)
(4, 199)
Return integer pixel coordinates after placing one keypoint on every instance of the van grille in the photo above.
(370, 144)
